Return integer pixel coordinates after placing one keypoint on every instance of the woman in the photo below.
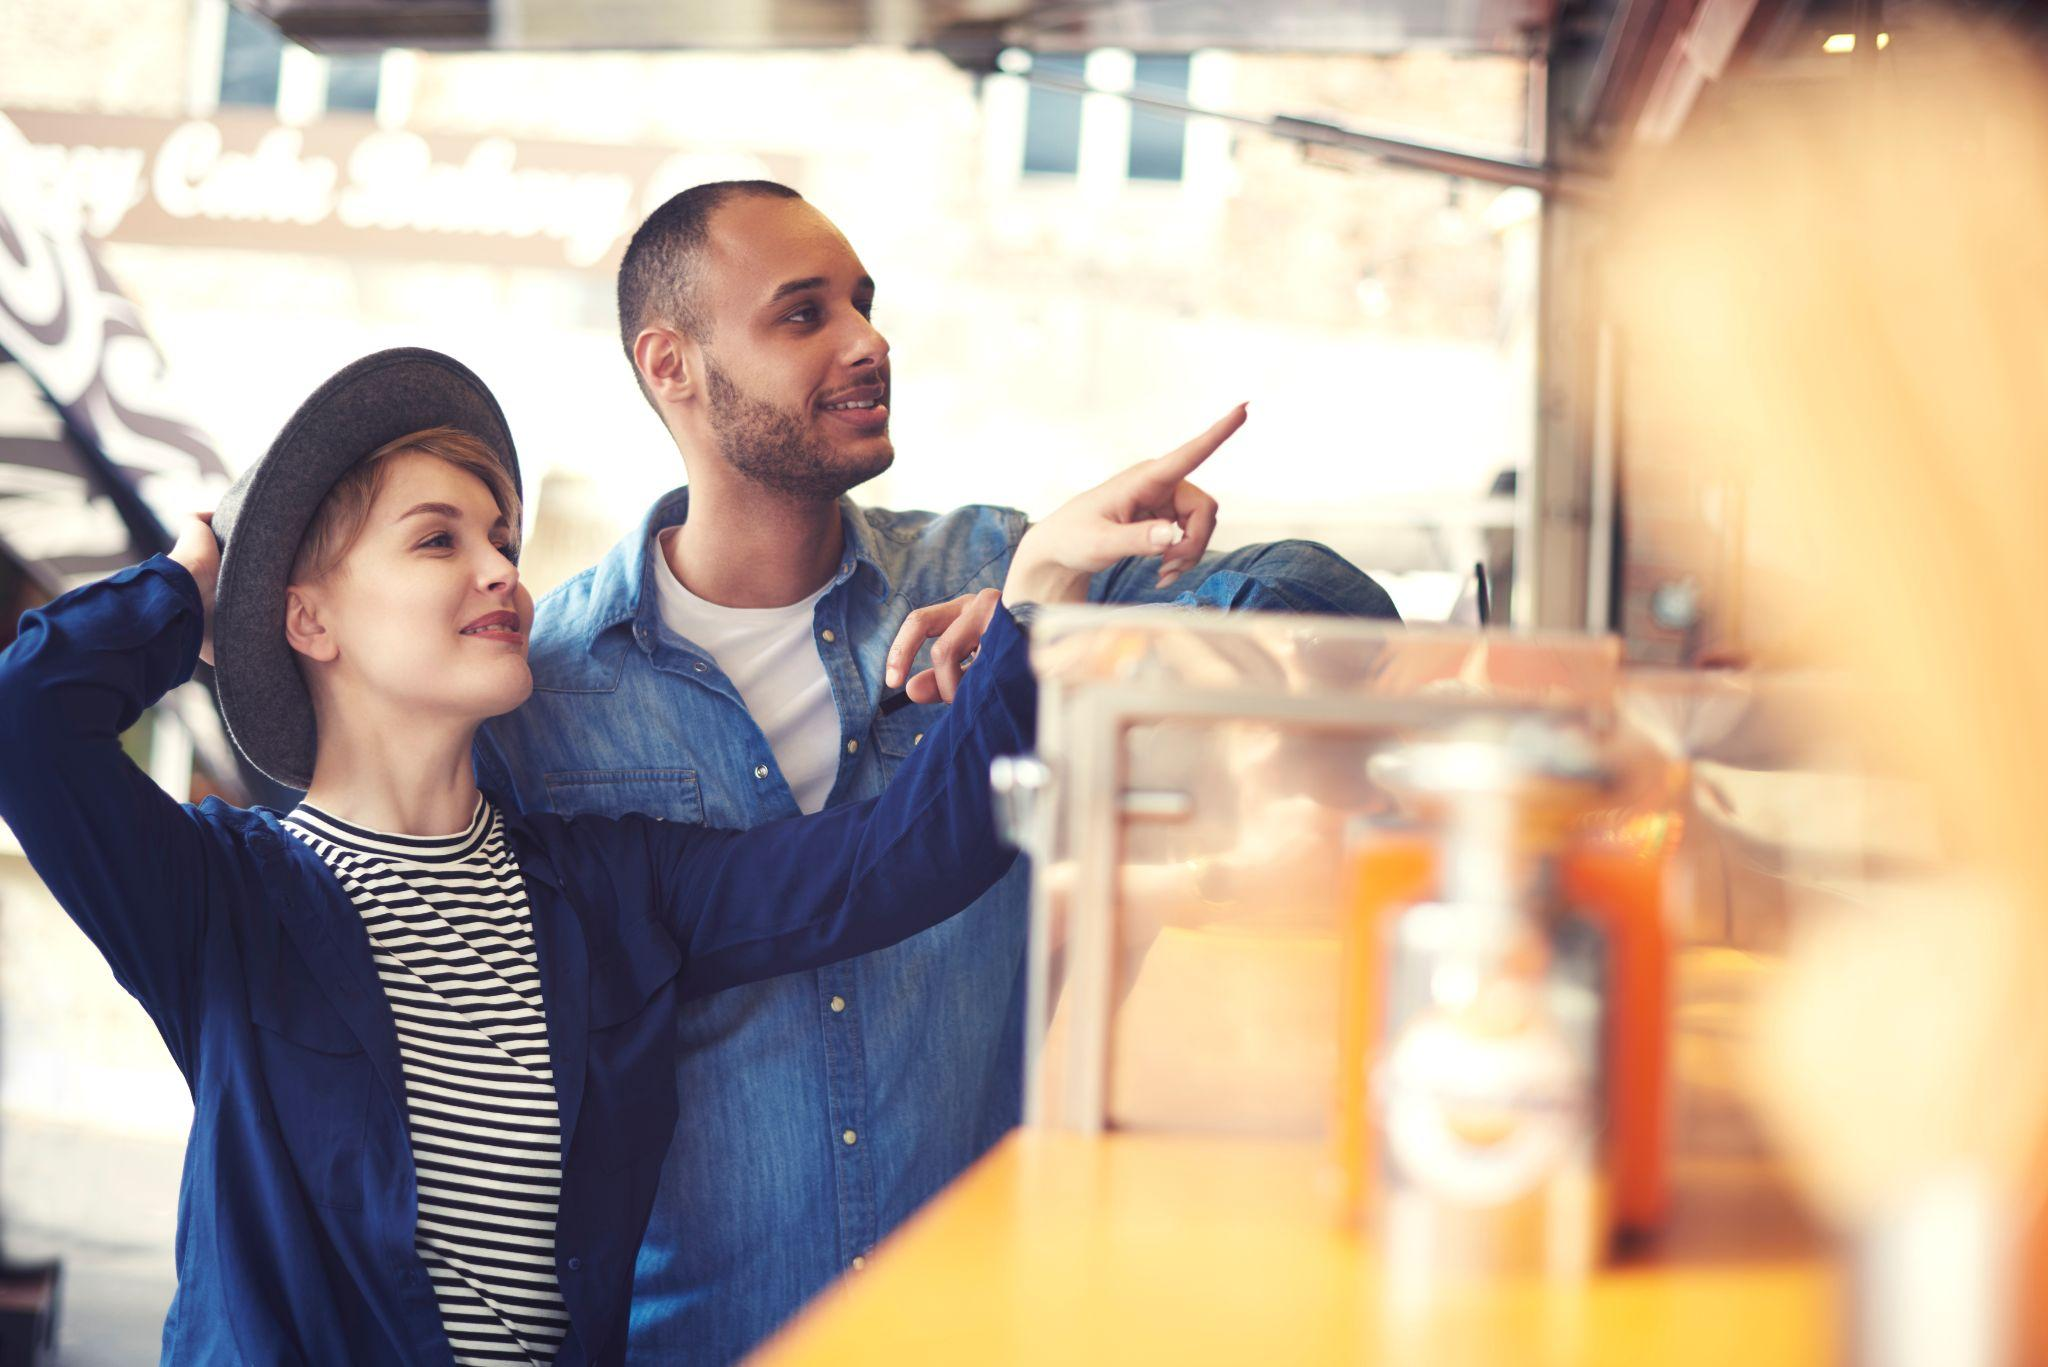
(431, 1091)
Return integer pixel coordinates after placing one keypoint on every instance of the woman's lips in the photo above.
(495, 626)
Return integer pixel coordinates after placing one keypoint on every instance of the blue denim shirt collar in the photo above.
(622, 583)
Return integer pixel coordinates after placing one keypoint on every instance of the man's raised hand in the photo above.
(1149, 509)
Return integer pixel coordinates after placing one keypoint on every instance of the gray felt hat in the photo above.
(263, 516)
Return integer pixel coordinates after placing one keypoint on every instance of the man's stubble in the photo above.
(776, 449)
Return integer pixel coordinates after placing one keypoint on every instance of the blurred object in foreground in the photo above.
(1248, 888)
(1191, 900)
(1837, 292)
(1481, 1106)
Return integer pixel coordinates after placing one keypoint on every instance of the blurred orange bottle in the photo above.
(1614, 875)
(1611, 873)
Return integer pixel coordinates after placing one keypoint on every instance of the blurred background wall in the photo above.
(1067, 285)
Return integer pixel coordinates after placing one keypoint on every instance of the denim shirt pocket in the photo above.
(671, 794)
(319, 1080)
(902, 731)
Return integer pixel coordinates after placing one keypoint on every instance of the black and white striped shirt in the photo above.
(452, 938)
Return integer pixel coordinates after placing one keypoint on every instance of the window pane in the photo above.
(352, 82)
(248, 62)
(1157, 140)
(1052, 118)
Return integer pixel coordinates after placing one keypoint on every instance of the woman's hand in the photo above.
(959, 624)
(1149, 509)
(198, 550)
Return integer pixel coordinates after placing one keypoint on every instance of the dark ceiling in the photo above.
(1148, 25)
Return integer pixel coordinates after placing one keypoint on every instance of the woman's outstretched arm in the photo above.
(811, 890)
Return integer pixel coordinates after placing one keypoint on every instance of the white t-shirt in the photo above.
(771, 656)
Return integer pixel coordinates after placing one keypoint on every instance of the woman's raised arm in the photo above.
(124, 859)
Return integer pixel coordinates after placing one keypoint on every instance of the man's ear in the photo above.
(304, 631)
(671, 365)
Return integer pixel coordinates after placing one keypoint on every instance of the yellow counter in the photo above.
(1135, 1248)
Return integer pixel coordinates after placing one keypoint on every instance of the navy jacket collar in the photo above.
(327, 928)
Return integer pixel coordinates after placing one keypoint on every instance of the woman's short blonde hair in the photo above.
(338, 522)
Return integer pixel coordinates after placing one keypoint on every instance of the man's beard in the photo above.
(778, 451)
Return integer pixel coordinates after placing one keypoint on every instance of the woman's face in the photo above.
(425, 616)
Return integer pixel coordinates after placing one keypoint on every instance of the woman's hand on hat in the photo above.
(198, 550)
(1148, 509)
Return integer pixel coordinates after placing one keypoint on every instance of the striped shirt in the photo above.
(452, 938)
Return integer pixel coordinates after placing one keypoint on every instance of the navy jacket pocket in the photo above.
(319, 1080)
(629, 1091)
(626, 975)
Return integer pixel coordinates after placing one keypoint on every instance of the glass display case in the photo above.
(1200, 784)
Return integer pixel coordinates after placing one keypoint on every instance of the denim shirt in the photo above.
(822, 1108)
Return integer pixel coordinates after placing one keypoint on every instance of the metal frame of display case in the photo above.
(1084, 802)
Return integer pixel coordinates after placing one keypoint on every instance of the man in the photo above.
(723, 664)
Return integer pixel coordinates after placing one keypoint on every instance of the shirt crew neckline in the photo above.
(675, 589)
(365, 840)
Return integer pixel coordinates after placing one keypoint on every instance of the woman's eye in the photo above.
(439, 541)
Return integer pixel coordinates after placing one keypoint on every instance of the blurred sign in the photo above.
(344, 186)
(112, 462)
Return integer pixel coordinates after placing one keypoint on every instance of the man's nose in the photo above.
(869, 346)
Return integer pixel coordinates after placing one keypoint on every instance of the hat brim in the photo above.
(263, 517)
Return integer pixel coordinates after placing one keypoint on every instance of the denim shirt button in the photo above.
(852, 746)
(847, 1136)
(700, 666)
(838, 1005)
(917, 739)
(760, 771)
(829, 635)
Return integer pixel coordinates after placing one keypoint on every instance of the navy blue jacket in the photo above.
(296, 1217)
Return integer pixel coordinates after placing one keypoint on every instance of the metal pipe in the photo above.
(1395, 151)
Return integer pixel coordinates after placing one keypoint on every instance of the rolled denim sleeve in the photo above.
(1279, 576)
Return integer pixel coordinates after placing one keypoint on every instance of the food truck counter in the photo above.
(1061, 1247)
(1133, 1247)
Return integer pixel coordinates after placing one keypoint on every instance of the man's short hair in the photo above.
(661, 275)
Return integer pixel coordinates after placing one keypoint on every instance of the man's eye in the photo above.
(867, 309)
(807, 314)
